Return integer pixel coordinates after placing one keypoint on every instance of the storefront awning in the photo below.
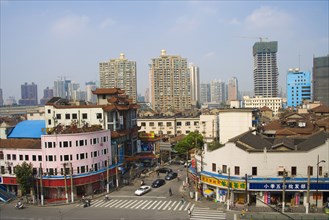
(208, 192)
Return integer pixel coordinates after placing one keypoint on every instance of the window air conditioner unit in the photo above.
(326, 174)
(220, 171)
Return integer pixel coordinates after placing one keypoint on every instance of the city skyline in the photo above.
(41, 41)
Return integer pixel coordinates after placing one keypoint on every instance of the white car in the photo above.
(142, 190)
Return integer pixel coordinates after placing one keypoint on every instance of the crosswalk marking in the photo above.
(206, 214)
(172, 205)
(130, 205)
(157, 204)
(126, 205)
(119, 204)
(146, 204)
(151, 204)
(111, 202)
(141, 204)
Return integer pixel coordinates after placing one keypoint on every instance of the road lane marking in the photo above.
(133, 203)
(120, 203)
(167, 205)
(125, 205)
(176, 206)
(172, 205)
(141, 204)
(152, 204)
(146, 204)
(111, 202)
(188, 204)
(157, 204)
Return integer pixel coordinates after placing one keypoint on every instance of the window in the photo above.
(83, 169)
(179, 123)
(81, 143)
(293, 171)
(14, 156)
(236, 170)
(39, 157)
(151, 124)
(95, 153)
(84, 116)
(196, 123)
(48, 111)
(320, 171)
(8, 156)
(254, 171)
(49, 144)
(160, 124)
(311, 171)
(67, 116)
(26, 157)
(168, 124)
(58, 116)
(82, 156)
(99, 115)
(2, 169)
(187, 123)
(224, 168)
(143, 124)
(49, 121)
(65, 144)
(20, 157)
(213, 167)
(66, 157)
(74, 116)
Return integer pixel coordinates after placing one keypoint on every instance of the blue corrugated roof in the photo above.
(29, 129)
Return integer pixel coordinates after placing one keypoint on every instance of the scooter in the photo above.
(19, 206)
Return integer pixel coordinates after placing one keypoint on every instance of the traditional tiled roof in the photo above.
(321, 109)
(20, 143)
(256, 142)
(265, 108)
(108, 91)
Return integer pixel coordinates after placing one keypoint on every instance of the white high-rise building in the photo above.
(204, 93)
(195, 84)
(119, 73)
(90, 97)
(170, 83)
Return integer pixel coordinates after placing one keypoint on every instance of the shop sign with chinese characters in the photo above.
(223, 183)
(289, 186)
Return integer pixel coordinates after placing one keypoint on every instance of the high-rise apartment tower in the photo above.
(170, 83)
(119, 73)
(265, 69)
(321, 79)
(232, 88)
(195, 84)
(29, 94)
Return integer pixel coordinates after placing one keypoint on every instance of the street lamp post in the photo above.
(317, 180)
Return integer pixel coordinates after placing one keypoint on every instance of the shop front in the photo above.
(271, 193)
(216, 187)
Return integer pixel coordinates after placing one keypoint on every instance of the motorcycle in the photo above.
(19, 205)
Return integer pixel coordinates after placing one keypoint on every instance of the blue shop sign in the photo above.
(0, 180)
(289, 186)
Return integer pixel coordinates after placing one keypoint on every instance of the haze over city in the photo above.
(42, 41)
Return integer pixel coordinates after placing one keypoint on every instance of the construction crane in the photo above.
(260, 38)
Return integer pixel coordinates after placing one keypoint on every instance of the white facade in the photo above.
(233, 123)
(264, 166)
(274, 103)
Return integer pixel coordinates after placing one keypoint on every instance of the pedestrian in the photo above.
(158, 174)
(189, 212)
(170, 192)
(182, 201)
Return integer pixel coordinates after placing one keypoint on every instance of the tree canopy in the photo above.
(192, 140)
(23, 174)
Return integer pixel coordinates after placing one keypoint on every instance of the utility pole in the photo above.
(66, 194)
(72, 191)
(187, 167)
(284, 190)
(116, 169)
(228, 197)
(108, 175)
(41, 188)
(246, 189)
(308, 189)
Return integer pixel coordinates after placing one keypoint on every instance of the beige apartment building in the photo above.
(119, 73)
(170, 83)
(274, 103)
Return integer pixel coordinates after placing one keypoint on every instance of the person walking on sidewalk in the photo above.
(183, 200)
(189, 212)
(170, 192)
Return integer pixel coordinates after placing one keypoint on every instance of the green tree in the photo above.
(192, 140)
(23, 174)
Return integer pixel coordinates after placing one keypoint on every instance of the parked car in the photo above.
(177, 162)
(164, 170)
(142, 190)
(158, 182)
(171, 176)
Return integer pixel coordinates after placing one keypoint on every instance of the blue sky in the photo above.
(43, 40)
